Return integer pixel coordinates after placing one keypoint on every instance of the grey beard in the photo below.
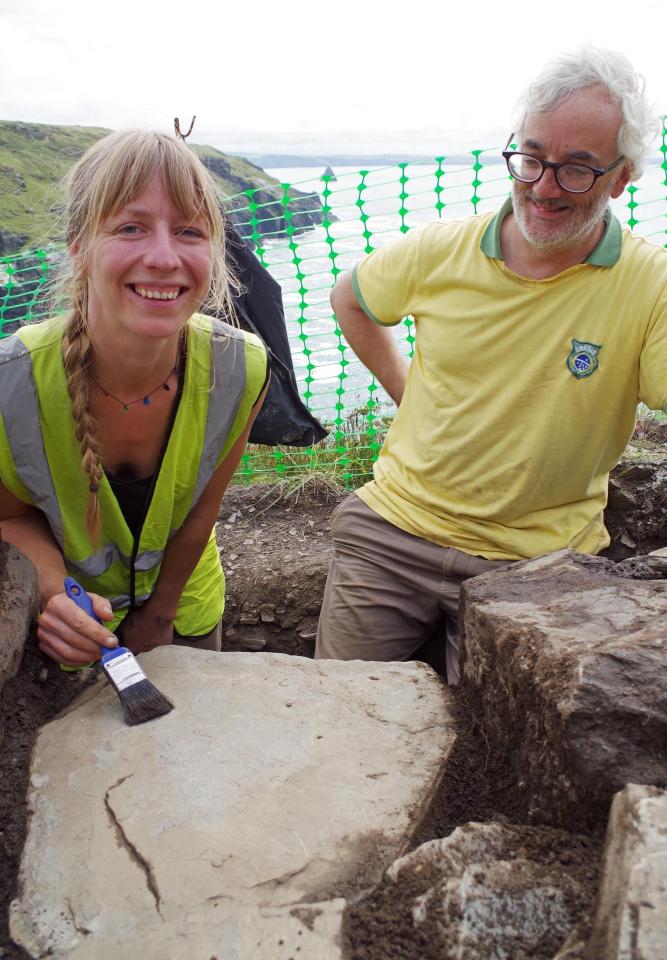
(581, 223)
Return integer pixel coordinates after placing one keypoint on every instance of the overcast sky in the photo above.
(306, 75)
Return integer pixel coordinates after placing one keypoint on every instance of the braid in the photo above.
(77, 357)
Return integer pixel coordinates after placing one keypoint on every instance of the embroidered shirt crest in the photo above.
(583, 359)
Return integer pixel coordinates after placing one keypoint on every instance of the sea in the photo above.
(370, 207)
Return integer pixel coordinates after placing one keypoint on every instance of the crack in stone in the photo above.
(83, 930)
(125, 842)
(427, 729)
(283, 878)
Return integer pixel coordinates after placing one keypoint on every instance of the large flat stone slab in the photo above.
(276, 782)
(631, 919)
(311, 931)
(18, 607)
(570, 663)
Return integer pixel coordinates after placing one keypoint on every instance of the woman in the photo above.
(123, 420)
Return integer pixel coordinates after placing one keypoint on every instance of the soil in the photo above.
(478, 786)
(275, 543)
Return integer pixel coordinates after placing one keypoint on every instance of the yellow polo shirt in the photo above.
(522, 394)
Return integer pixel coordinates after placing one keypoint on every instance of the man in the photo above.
(538, 330)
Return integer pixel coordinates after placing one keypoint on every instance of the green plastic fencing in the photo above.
(361, 211)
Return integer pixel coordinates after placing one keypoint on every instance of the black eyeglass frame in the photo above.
(549, 164)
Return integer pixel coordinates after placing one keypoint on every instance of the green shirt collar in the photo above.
(605, 254)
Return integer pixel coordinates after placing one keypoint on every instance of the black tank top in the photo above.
(131, 496)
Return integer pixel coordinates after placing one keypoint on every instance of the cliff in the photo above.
(35, 156)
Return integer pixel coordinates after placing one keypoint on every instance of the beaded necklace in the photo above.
(146, 398)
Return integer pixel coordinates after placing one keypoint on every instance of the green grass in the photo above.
(345, 457)
(34, 157)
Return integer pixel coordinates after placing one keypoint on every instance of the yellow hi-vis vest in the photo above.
(40, 462)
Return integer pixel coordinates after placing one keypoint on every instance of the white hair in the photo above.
(593, 66)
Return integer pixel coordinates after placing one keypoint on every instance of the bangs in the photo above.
(187, 189)
(135, 160)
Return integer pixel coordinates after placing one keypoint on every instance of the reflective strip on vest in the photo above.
(22, 424)
(25, 437)
(122, 601)
(99, 563)
(221, 415)
(24, 434)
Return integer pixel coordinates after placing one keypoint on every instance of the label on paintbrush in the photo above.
(124, 670)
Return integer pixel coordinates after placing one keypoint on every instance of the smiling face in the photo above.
(148, 267)
(583, 128)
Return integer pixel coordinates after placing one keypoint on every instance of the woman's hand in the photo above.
(69, 636)
(146, 628)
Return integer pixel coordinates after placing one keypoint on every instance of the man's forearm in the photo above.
(375, 345)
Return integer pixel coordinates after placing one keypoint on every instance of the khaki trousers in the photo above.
(390, 595)
(207, 641)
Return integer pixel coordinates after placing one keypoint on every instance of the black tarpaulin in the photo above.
(284, 417)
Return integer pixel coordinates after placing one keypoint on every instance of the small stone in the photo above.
(253, 642)
(620, 499)
(248, 542)
(292, 531)
(267, 614)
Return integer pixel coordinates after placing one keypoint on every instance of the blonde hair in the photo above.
(106, 178)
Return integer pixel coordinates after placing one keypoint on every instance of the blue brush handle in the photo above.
(76, 593)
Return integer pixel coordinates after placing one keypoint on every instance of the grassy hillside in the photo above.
(34, 156)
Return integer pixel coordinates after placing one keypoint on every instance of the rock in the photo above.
(253, 641)
(620, 499)
(636, 514)
(651, 566)
(631, 919)
(570, 663)
(18, 607)
(486, 895)
(276, 785)
(11, 241)
(652, 428)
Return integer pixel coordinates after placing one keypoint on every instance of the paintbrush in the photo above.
(139, 698)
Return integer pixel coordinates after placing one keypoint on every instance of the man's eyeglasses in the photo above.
(572, 177)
